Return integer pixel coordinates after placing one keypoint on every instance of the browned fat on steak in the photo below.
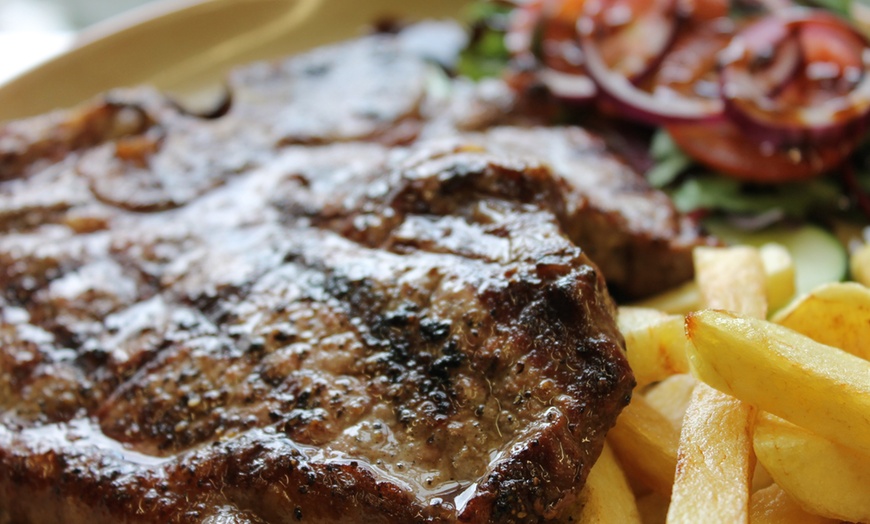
(370, 310)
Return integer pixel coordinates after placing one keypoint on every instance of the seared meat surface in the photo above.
(421, 345)
(379, 309)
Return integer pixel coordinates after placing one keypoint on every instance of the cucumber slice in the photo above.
(819, 258)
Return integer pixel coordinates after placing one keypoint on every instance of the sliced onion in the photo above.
(632, 35)
(567, 86)
(666, 106)
(783, 59)
(662, 106)
(543, 41)
(690, 66)
(765, 113)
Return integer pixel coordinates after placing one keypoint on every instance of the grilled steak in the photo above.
(629, 229)
(321, 306)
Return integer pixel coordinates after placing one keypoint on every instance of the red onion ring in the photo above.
(567, 86)
(558, 64)
(662, 107)
(633, 35)
(752, 104)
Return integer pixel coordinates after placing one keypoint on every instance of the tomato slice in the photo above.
(723, 147)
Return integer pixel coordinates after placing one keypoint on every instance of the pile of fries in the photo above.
(739, 415)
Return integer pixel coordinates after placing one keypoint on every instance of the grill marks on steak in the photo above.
(277, 320)
(370, 369)
(632, 231)
(136, 152)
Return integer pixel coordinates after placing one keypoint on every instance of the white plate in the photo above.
(185, 47)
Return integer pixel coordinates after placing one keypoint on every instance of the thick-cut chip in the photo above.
(783, 372)
(653, 508)
(836, 314)
(607, 497)
(630, 318)
(732, 279)
(646, 443)
(760, 478)
(779, 285)
(681, 299)
(714, 467)
(823, 477)
(655, 343)
(671, 396)
(715, 462)
(772, 505)
(780, 271)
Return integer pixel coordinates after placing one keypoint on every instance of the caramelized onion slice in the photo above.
(828, 98)
(651, 31)
(542, 39)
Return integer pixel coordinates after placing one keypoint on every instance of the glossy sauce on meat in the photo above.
(302, 311)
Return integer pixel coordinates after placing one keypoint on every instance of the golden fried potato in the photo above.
(780, 275)
(836, 314)
(714, 466)
(679, 300)
(671, 396)
(715, 460)
(629, 318)
(772, 505)
(785, 373)
(732, 278)
(655, 343)
(653, 508)
(607, 497)
(646, 444)
(760, 477)
(779, 270)
(824, 478)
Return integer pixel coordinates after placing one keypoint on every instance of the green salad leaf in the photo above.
(670, 161)
(486, 55)
(713, 192)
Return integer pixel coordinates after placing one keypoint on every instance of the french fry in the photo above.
(760, 478)
(607, 497)
(779, 273)
(835, 314)
(714, 465)
(772, 505)
(671, 396)
(653, 508)
(679, 300)
(785, 373)
(655, 343)
(733, 279)
(630, 317)
(823, 477)
(715, 460)
(646, 444)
